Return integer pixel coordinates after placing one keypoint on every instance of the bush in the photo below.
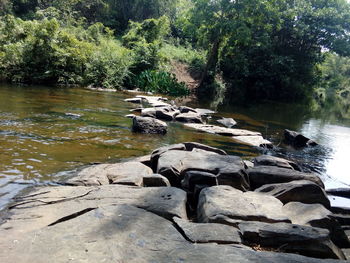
(161, 82)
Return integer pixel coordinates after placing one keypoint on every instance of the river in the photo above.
(46, 134)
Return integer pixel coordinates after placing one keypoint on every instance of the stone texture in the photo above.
(228, 169)
(128, 173)
(155, 180)
(304, 240)
(221, 130)
(162, 113)
(316, 215)
(134, 100)
(189, 117)
(149, 125)
(297, 140)
(228, 122)
(209, 233)
(342, 192)
(218, 203)
(185, 109)
(256, 141)
(267, 160)
(303, 191)
(262, 175)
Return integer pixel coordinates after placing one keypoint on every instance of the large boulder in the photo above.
(123, 233)
(209, 233)
(225, 204)
(229, 170)
(303, 191)
(262, 175)
(128, 173)
(297, 140)
(267, 160)
(304, 240)
(189, 117)
(316, 215)
(149, 125)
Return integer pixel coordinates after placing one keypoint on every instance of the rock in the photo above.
(195, 145)
(129, 173)
(155, 180)
(262, 175)
(154, 101)
(149, 125)
(228, 122)
(297, 140)
(248, 164)
(221, 130)
(304, 240)
(137, 110)
(219, 204)
(303, 191)
(189, 118)
(185, 109)
(193, 178)
(229, 170)
(209, 233)
(162, 113)
(130, 116)
(316, 215)
(146, 160)
(124, 233)
(204, 111)
(342, 192)
(267, 160)
(134, 100)
(256, 141)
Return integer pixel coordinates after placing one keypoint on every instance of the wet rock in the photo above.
(146, 160)
(262, 175)
(248, 164)
(149, 125)
(218, 203)
(190, 146)
(297, 140)
(267, 160)
(221, 130)
(162, 113)
(134, 100)
(209, 233)
(137, 110)
(155, 180)
(189, 118)
(228, 122)
(129, 173)
(303, 191)
(130, 116)
(304, 240)
(342, 192)
(193, 178)
(185, 109)
(154, 101)
(316, 215)
(229, 170)
(256, 141)
(204, 111)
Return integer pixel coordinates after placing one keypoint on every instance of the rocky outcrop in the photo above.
(303, 191)
(215, 205)
(267, 160)
(297, 140)
(262, 175)
(149, 125)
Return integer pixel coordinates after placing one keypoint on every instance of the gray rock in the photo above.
(304, 240)
(256, 141)
(123, 233)
(218, 203)
(228, 122)
(297, 140)
(262, 175)
(316, 215)
(130, 116)
(134, 100)
(209, 233)
(342, 192)
(221, 130)
(137, 110)
(162, 113)
(267, 160)
(193, 178)
(204, 111)
(149, 125)
(190, 146)
(228, 169)
(155, 180)
(189, 117)
(185, 109)
(129, 173)
(146, 160)
(303, 191)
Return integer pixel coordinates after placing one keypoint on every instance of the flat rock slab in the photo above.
(256, 141)
(303, 191)
(209, 233)
(262, 175)
(307, 241)
(189, 117)
(218, 203)
(128, 173)
(47, 205)
(228, 122)
(228, 169)
(267, 160)
(123, 233)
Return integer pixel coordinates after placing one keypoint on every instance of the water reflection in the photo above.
(45, 132)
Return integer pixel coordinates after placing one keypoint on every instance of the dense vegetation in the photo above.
(257, 50)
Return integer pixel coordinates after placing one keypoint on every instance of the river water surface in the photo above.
(48, 133)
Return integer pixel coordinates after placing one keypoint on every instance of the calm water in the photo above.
(48, 133)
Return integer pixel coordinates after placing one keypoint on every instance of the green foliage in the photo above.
(161, 82)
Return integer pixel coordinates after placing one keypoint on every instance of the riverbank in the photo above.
(183, 203)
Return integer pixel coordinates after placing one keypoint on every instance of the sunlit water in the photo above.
(48, 133)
